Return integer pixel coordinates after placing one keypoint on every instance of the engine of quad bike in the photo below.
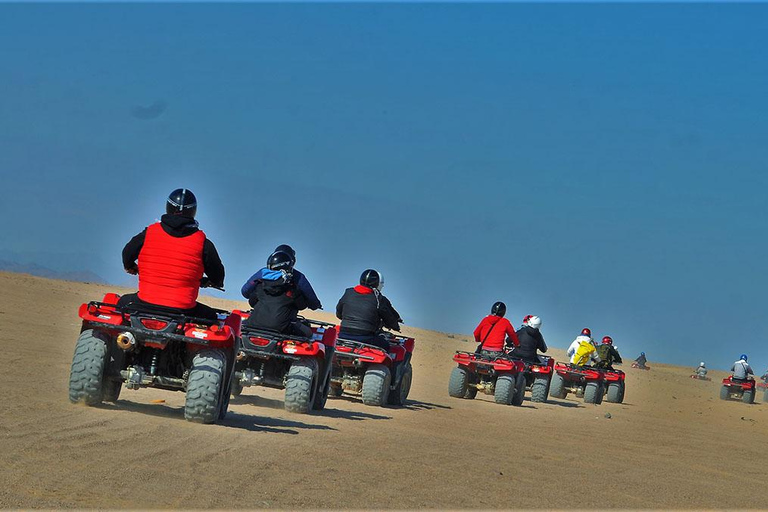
(164, 368)
(255, 371)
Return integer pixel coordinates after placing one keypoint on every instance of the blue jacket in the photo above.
(301, 283)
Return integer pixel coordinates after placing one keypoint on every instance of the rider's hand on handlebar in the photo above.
(134, 270)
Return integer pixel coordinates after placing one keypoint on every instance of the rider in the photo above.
(641, 360)
(364, 310)
(173, 255)
(607, 354)
(701, 371)
(583, 349)
(302, 283)
(493, 329)
(530, 340)
(276, 299)
(741, 369)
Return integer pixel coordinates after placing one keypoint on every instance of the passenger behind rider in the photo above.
(492, 330)
(302, 283)
(583, 351)
(276, 299)
(364, 311)
(173, 256)
(530, 340)
(608, 354)
(741, 369)
(701, 371)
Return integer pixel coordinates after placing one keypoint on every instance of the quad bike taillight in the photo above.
(259, 342)
(155, 325)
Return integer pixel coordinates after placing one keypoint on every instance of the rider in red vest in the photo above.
(173, 256)
(493, 330)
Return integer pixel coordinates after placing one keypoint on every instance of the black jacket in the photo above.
(364, 311)
(178, 226)
(275, 304)
(530, 341)
(608, 355)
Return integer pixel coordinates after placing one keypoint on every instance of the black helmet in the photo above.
(280, 260)
(499, 309)
(181, 202)
(287, 249)
(372, 279)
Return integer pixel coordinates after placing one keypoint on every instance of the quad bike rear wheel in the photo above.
(614, 392)
(376, 384)
(519, 396)
(593, 393)
(300, 384)
(458, 385)
(724, 393)
(765, 395)
(204, 387)
(86, 376)
(505, 389)
(748, 397)
(399, 395)
(540, 389)
(557, 389)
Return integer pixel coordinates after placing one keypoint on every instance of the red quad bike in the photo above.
(698, 377)
(584, 381)
(740, 390)
(538, 378)
(299, 365)
(764, 386)
(614, 385)
(158, 348)
(500, 376)
(381, 378)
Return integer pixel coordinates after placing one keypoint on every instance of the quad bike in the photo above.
(538, 378)
(614, 385)
(500, 376)
(700, 377)
(738, 389)
(156, 348)
(299, 365)
(764, 386)
(380, 377)
(636, 365)
(583, 381)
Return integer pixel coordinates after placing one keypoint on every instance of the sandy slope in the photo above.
(673, 444)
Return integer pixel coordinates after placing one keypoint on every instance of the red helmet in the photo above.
(586, 332)
(526, 318)
(607, 340)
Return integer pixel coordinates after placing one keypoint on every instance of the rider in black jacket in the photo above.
(530, 339)
(363, 311)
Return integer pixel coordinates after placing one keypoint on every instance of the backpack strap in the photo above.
(487, 334)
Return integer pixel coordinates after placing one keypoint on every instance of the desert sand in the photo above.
(672, 444)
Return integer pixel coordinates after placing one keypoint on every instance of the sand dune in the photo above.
(673, 444)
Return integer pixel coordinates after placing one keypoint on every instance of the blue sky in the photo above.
(597, 165)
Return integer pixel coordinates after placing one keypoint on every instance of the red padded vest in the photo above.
(170, 268)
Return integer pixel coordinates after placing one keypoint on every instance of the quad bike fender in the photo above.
(304, 348)
(103, 315)
(399, 370)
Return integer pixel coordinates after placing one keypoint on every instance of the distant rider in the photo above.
(364, 310)
(701, 371)
(608, 354)
(641, 360)
(302, 283)
(741, 369)
(493, 330)
(276, 299)
(173, 255)
(583, 351)
(530, 340)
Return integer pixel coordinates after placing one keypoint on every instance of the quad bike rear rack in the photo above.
(355, 345)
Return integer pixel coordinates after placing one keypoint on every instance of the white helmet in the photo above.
(702, 364)
(534, 322)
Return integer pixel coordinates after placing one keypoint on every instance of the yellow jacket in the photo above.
(584, 353)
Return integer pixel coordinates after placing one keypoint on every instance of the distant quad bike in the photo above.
(614, 385)
(738, 389)
(583, 381)
(764, 386)
(699, 377)
(381, 378)
(500, 376)
(299, 365)
(635, 365)
(158, 348)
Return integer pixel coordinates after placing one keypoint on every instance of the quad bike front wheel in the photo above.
(300, 385)
(204, 387)
(399, 395)
(321, 396)
(459, 382)
(376, 384)
(86, 376)
(519, 396)
(765, 395)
